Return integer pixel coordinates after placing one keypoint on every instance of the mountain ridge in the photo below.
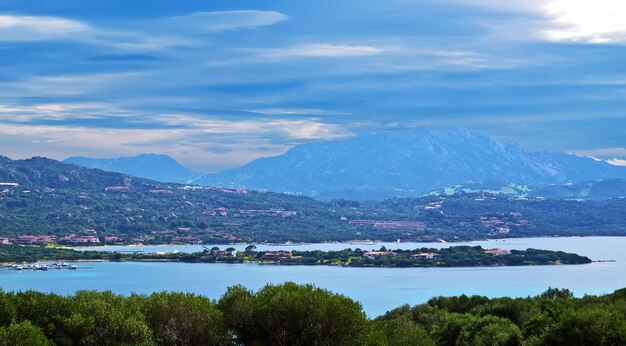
(407, 163)
(384, 164)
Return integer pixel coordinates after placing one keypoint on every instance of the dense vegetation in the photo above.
(291, 314)
(456, 256)
(57, 199)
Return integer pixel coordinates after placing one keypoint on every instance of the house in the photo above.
(217, 252)
(503, 230)
(113, 239)
(279, 255)
(186, 240)
(83, 240)
(425, 255)
(32, 239)
(4, 241)
(162, 192)
(117, 189)
(90, 231)
(10, 184)
(497, 252)
(374, 254)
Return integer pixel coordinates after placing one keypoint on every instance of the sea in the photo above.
(377, 289)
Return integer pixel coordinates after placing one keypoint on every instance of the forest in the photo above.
(291, 314)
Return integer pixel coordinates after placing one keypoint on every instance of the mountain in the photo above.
(150, 166)
(409, 162)
(603, 189)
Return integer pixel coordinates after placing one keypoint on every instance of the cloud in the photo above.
(597, 21)
(321, 50)
(617, 162)
(583, 21)
(605, 153)
(148, 34)
(209, 22)
(31, 28)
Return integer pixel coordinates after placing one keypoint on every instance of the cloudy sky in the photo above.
(218, 83)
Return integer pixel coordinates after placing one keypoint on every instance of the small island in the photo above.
(454, 256)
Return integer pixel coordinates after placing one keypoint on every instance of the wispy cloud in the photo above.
(324, 50)
(151, 34)
(210, 22)
(27, 28)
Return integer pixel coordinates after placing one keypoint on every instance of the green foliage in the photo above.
(183, 319)
(291, 314)
(401, 331)
(23, 334)
(586, 326)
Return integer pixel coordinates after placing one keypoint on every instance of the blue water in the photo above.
(378, 289)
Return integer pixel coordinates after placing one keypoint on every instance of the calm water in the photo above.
(378, 289)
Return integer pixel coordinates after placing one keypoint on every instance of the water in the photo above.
(378, 289)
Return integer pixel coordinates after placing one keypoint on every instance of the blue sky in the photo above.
(218, 83)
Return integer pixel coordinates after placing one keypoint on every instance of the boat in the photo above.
(18, 267)
(72, 267)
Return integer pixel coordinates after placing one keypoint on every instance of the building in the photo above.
(82, 240)
(33, 239)
(10, 184)
(186, 240)
(221, 253)
(117, 189)
(4, 241)
(374, 254)
(279, 255)
(497, 252)
(426, 255)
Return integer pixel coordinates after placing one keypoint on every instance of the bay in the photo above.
(378, 289)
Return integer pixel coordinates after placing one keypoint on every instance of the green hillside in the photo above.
(46, 197)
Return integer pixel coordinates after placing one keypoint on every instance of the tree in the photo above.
(23, 334)
(587, 326)
(291, 314)
(400, 331)
(184, 319)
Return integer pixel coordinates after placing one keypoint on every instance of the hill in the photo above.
(43, 197)
(150, 166)
(407, 163)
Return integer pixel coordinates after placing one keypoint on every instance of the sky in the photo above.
(218, 83)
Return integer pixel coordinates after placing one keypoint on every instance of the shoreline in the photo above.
(168, 260)
(352, 242)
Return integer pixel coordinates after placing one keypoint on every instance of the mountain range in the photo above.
(377, 165)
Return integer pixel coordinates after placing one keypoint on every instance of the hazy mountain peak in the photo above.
(151, 166)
